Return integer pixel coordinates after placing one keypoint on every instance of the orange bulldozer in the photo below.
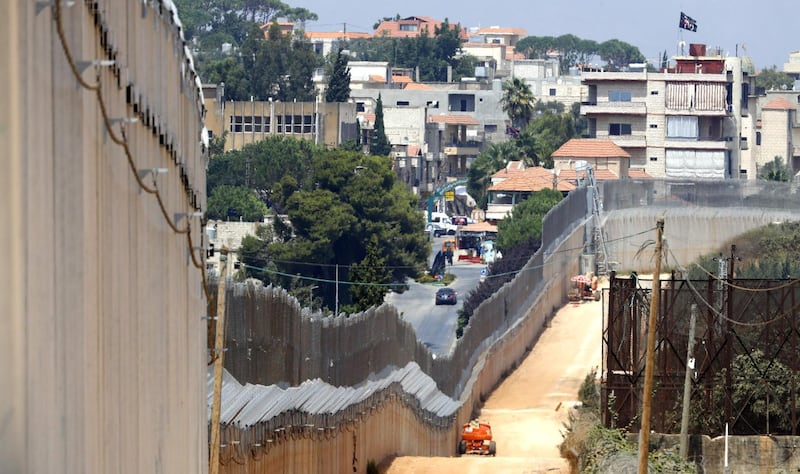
(476, 438)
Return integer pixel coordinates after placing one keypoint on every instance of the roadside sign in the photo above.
(449, 195)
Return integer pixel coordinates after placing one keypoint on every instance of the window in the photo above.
(653, 158)
(552, 92)
(758, 138)
(619, 129)
(490, 128)
(653, 92)
(236, 124)
(619, 96)
(683, 126)
(653, 125)
(407, 27)
(359, 107)
(402, 103)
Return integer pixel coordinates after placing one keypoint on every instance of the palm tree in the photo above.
(518, 102)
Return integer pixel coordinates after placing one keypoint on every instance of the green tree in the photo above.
(276, 67)
(517, 101)
(525, 221)
(772, 79)
(775, 170)
(235, 202)
(619, 54)
(367, 277)
(379, 145)
(338, 89)
(544, 135)
(216, 145)
(354, 198)
(274, 167)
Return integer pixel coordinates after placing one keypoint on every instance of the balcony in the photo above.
(701, 144)
(468, 148)
(616, 108)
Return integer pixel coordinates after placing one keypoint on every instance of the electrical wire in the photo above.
(719, 314)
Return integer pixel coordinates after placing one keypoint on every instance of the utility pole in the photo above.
(644, 433)
(219, 343)
(336, 305)
(687, 386)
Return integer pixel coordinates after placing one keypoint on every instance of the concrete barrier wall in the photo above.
(102, 304)
(746, 454)
(390, 424)
(689, 232)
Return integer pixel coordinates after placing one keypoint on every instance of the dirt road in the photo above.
(527, 410)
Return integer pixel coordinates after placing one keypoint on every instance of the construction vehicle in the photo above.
(476, 438)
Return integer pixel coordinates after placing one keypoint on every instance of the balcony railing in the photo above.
(629, 108)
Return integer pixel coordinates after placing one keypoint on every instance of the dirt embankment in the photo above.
(528, 408)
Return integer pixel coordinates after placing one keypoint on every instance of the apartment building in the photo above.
(436, 130)
(683, 122)
(245, 122)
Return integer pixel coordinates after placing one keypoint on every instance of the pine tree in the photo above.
(338, 80)
(380, 145)
(371, 274)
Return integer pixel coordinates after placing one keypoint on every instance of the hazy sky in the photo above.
(767, 29)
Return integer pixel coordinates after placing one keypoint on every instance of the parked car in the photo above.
(436, 229)
(445, 296)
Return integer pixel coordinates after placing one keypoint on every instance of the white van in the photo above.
(443, 221)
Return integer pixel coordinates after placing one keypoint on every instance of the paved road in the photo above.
(436, 325)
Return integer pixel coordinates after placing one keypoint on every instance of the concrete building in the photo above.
(328, 124)
(445, 126)
(498, 35)
(326, 42)
(778, 134)
(792, 68)
(685, 122)
(410, 27)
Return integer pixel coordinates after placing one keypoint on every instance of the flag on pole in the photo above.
(687, 22)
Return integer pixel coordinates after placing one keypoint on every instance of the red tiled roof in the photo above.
(402, 79)
(416, 86)
(599, 174)
(636, 173)
(511, 53)
(590, 148)
(511, 167)
(532, 179)
(424, 24)
(779, 104)
(451, 119)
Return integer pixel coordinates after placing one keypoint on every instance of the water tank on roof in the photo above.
(696, 49)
